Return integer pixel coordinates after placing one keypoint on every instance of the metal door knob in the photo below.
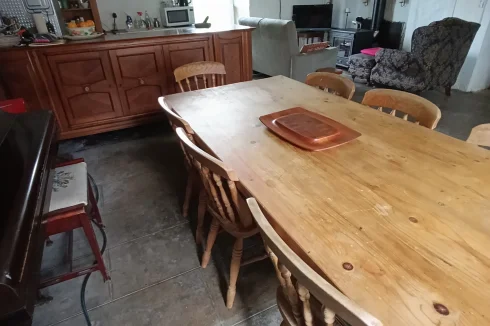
(142, 82)
(87, 89)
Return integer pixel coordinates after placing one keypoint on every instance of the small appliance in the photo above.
(177, 16)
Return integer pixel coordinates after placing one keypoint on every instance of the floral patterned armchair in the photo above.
(438, 53)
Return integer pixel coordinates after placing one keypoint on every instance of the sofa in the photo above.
(438, 53)
(275, 50)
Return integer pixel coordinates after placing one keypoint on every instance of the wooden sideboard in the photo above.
(114, 82)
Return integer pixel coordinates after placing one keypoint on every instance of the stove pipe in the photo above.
(378, 14)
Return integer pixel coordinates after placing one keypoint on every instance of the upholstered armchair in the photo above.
(275, 50)
(438, 53)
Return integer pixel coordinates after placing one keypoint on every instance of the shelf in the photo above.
(76, 9)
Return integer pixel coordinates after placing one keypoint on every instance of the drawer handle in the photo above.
(142, 82)
(86, 89)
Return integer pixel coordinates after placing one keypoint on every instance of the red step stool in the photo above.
(73, 206)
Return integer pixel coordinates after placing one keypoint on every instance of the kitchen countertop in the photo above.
(142, 34)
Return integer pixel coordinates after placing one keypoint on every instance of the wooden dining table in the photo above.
(397, 219)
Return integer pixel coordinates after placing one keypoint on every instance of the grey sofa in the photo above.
(275, 50)
(438, 53)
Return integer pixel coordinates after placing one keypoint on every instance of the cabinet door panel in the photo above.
(86, 86)
(84, 106)
(229, 51)
(20, 79)
(184, 53)
(141, 78)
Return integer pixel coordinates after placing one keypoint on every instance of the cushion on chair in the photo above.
(370, 51)
(361, 60)
(70, 187)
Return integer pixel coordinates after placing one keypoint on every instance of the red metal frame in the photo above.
(67, 220)
(13, 106)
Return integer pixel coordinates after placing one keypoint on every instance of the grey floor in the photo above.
(151, 254)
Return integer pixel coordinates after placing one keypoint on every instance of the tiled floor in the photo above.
(151, 253)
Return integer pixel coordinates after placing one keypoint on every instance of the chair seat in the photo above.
(361, 60)
(70, 187)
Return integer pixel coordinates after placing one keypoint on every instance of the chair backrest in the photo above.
(332, 83)
(424, 112)
(274, 42)
(480, 135)
(13, 106)
(225, 202)
(191, 71)
(287, 263)
(442, 48)
(175, 120)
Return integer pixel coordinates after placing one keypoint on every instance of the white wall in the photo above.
(395, 12)
(241, 8)
(480, 78)
(220, 11)
(107, 7)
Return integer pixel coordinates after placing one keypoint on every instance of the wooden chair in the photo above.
(227, 207)
(333, 83)
(423, 111)
(304, 297)
(177, 122)
(480, 135)
(201, 68)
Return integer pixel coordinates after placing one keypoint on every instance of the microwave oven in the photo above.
(177, 16)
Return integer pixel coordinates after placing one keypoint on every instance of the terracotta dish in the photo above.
(308, 130)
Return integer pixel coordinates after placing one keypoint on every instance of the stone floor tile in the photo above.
(66, 299)
(256, 289)
(269, 317)
(182, 300)
(152, 258)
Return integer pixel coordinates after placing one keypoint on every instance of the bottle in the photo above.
(129, 22)
(156, 23)
(148, 22)
(138, 22)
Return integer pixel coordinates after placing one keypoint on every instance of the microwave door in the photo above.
(178, 16)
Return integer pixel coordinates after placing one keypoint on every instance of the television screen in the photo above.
(313, 16)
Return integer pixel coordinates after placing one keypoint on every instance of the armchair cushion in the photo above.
(360, 60)
(396, 59)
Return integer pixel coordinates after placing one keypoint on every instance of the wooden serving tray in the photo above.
(308, 130)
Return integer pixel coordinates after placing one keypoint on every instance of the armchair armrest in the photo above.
(396, 59)
(303, 64)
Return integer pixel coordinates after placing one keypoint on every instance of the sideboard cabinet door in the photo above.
(141, 78)
(179, 54)
(86, 86)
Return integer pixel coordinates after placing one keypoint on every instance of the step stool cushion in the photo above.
(70, 187)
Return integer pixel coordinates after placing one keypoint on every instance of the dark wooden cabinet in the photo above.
(86, 87)
(114, 83)
(19, 78)
(230, 49)
(141, 77)
(183, 53)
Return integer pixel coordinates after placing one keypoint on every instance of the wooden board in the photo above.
(406, 206)
(308, 130)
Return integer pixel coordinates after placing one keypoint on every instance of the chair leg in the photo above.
(95, 209)
(188, 193)
(236, 258)
(213, 232)
(448, 90)
(92, 240)
(201, 212)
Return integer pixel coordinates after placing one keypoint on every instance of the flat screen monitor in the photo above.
(313, 16)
